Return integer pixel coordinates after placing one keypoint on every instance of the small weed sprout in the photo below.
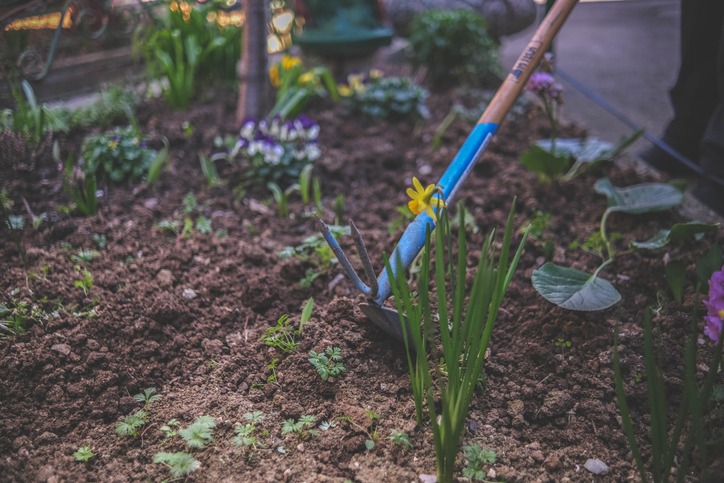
(85, 283)
(282, 336)
(328, 363)
(84, 256)
(563, 344)
(301, 427)
(132, 424)
(170, 429)
(400, 438)
(200, 433)
(245, 432)
(180, 464)
(477, 457)
(147, 397)
(84, 454)
(327, 425)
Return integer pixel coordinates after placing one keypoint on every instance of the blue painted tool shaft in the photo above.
(413, 239)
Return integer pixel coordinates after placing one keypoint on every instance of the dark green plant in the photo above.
(170, 429)
(477, 457)
(282, 197)
(181, 464)
(669, 444)
(461, 330)
(117, 155)
(85, 282)
(328, 363)
(79, 186)
(455, 47)
(390, 98)
(84, 454)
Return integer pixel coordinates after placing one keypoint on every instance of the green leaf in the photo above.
(677, 234)
(676, 278)
(158, 163)
(640, 198)
(573, 289)
(708, 264)
(544, 163)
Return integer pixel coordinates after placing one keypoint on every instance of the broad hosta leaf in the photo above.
(640, 198)
(544, 163)
(573, 289)
(677, 234)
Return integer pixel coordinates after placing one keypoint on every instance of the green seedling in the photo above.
(15, 223)
(281, 197)
(327, 425)
(84, 454)
(339, 209)
(84, 256)
(477, 457)
(132, 424)
(302, 427)
(400, 438)
(328, 363)
(208, 167)
(563, 344)
(305, 178)
(245, 432)
(85, 283)
(181, 464)
(282, 336)
(317, 193)
(147, 397)
(370, 430)
(200, 433)
(170, 429)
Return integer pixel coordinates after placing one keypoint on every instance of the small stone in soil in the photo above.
(428, 478)
(188, 294)
(596, 466)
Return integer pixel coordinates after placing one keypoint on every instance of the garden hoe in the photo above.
(413, 239)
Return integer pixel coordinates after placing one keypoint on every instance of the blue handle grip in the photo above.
(413, 239)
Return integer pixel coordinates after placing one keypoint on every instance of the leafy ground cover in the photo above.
(145, 353)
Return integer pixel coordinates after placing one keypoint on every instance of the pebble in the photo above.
(552, 463)
(596, 466)
(428, 478)
(188, 294)
(164, 278)
(63, 349)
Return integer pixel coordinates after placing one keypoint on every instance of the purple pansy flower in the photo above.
(715, 306)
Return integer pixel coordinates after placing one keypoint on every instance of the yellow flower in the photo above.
(423, 199)
(376, 74)
(306, 78)
(274, 76)
(289, 62)
(344, 90)
(113, 144)
(356, 82)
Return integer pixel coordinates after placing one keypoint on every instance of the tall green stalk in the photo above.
(446, 344)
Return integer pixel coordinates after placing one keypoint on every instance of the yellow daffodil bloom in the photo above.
(423, 199)
(306, 78)
(274, 76)
(289, 62)
(376, 74)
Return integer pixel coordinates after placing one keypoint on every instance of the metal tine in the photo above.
(364, 256)
(351, 273)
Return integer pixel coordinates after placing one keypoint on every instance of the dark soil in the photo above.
(185, 316)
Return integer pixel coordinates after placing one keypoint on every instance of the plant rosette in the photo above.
(278, 150)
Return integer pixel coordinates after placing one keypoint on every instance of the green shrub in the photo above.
(454, 46)
(113, 105)
(390, 98)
